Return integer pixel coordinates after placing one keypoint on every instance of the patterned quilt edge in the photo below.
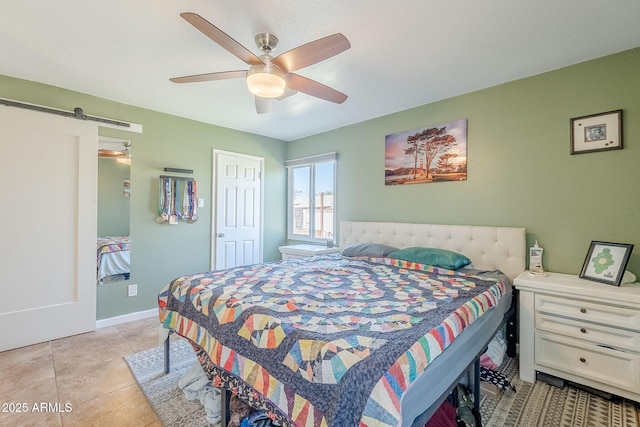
(300, 410)
(380, 410)
(413, 362)
(113, 244)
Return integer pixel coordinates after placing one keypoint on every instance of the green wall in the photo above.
(162, 252)
(113, 208)
(520, 171)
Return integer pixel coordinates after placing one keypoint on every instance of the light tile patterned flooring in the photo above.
(86, 371)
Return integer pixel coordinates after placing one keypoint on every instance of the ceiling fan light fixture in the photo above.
(124, 160)
(265, 80)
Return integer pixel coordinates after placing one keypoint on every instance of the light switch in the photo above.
(201, 203)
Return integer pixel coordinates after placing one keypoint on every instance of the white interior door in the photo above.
(48, 170)
(237, 218)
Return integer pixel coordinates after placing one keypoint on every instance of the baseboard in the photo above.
(130, 317)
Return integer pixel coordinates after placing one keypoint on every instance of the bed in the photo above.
(113, 257)
(350, 355)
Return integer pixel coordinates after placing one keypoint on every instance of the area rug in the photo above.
(539, 404)
(161, 390)
(543, 405)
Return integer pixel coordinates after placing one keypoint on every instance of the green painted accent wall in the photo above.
(162, 252)
(520, 171)
(113, 208)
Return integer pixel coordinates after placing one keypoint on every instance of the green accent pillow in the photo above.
(432, 256)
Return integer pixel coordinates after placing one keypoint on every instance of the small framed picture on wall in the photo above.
(597, 132)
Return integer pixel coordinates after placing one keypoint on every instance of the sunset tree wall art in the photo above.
(429, 154)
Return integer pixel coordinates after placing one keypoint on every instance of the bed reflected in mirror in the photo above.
(113, 239)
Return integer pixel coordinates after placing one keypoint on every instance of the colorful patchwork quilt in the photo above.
(326, 340)
(113, 244)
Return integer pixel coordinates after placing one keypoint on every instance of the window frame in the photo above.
(311, 162)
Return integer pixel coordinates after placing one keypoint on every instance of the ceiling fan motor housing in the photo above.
(266, 80)
(267, 42)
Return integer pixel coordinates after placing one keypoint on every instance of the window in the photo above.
(311, 201)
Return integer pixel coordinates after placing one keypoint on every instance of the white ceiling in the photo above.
(403, 53)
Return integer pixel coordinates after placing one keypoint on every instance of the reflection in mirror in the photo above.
(113, 243)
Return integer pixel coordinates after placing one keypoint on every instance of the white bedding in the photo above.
(113, 264)
(113, 257)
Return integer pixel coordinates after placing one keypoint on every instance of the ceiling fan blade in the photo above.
(220, 37)
(210, 76)
(109, 153)
(311, 53)
(314, 88)
(263, 105)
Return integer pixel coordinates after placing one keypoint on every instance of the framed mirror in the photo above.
(113, 240)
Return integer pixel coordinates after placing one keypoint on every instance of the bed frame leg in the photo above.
(167, 362)
(476, 384)
(225, 414)
(225, 396)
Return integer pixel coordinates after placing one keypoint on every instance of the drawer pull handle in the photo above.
(583, 330)
(583, 360)
(583, 310)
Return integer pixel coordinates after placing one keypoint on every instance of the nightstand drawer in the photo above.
(593, 332)
(589, 311)
(604, 365)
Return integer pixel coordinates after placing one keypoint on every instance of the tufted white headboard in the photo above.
(488, 248)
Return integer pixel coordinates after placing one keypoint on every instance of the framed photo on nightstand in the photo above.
(605, 262)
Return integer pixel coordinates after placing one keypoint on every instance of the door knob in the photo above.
(220, 234)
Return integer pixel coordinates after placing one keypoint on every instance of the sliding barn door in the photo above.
(48, 171)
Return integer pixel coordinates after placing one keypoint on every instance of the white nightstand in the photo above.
(297, 251)
(581, 331)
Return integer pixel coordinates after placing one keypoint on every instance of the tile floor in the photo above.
(85, 371)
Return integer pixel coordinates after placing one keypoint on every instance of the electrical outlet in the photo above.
(132, 290)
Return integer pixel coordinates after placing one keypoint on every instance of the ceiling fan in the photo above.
(271, 77)
(108, 148)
